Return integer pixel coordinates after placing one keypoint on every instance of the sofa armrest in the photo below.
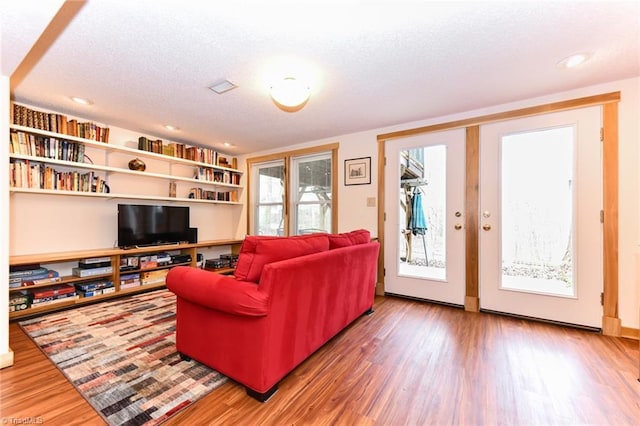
(216, 291)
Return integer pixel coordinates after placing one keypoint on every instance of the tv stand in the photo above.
(115, 254)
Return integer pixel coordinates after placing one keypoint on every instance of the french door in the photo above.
(424, 205)
(540, 251)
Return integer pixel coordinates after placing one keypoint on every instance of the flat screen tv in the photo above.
(145, 225)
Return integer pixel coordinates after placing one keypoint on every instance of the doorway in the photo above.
(540, 251)
(424, 202)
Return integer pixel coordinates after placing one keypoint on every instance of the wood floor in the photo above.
(410, 363)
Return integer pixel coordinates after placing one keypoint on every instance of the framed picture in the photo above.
(357, 171)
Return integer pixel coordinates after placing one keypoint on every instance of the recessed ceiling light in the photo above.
(573, 60)
(170, 127)
(227, 144)
(222, 86)
(81, 101)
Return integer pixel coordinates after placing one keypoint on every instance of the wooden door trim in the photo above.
(472, 207)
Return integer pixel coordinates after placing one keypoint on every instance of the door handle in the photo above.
(486, 227)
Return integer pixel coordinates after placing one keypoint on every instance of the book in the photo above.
(93, 265)
(96, 260)
(94, 285)
(55, 279)
(53, 299)
(129, 285)
(79, 272)
(56, 290)
(27, 272)
(41, 278)
(95, 292)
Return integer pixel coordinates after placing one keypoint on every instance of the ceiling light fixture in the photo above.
(290, 94)
(222, 86)
(81, 101)
(227, 144)
(170, 127)
(573, 60)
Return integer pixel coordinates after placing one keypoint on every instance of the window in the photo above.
(293, 193)
(269, 210)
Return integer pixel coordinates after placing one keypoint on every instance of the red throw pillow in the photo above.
(257, 251)
(359, 236)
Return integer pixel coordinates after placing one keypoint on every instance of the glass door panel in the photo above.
(423, 203)
(537, 213)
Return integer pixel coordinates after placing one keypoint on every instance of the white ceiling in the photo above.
(376, 63)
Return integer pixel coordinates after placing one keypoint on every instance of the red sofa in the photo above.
(289, 296)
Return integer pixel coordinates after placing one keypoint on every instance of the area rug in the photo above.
(121, 356)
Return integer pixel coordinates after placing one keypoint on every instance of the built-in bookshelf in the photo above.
(43, 161)
(116, 274)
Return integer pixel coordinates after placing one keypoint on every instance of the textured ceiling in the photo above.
(375, 63)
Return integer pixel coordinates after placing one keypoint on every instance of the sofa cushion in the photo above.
(359, 236)
(257, 251)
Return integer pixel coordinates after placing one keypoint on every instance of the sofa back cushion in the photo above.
(359, 236)
(257, 251)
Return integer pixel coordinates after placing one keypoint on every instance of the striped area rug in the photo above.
(121, 356)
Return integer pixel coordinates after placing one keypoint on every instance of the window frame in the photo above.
(287, 157)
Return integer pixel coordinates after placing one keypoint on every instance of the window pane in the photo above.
(270, 221)
(314, 218)
(537, 211)
(312, 199)
(271, 185)
(314, 179)
(423, 202)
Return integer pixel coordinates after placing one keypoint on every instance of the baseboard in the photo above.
(6, 359)
(630, 333)
(611, 326)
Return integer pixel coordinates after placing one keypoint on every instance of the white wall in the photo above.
(4, 222)
(53, 223)
(353, 212)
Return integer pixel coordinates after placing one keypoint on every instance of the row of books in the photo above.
(224, 261)
(212, 175)
(31, 298)
(95, 288)
(41, 146)
(138, 279)
(180, 150)
(58, 123)
(30, 174)
(30, 275)
(202, 194)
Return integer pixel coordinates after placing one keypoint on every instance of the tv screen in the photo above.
(144, 225)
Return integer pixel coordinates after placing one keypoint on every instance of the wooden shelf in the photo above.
(109, 169)
(115, 254)
(112, 196)
(186, 183)
(117, 148)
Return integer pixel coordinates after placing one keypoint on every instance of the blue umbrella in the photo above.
(418, 223)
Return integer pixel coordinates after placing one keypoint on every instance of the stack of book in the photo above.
(19, 301)
(153, 277)
(93, 266)
(95, 288)
(148, 262)
(52, 294)
(129, 281)
(28, 275)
